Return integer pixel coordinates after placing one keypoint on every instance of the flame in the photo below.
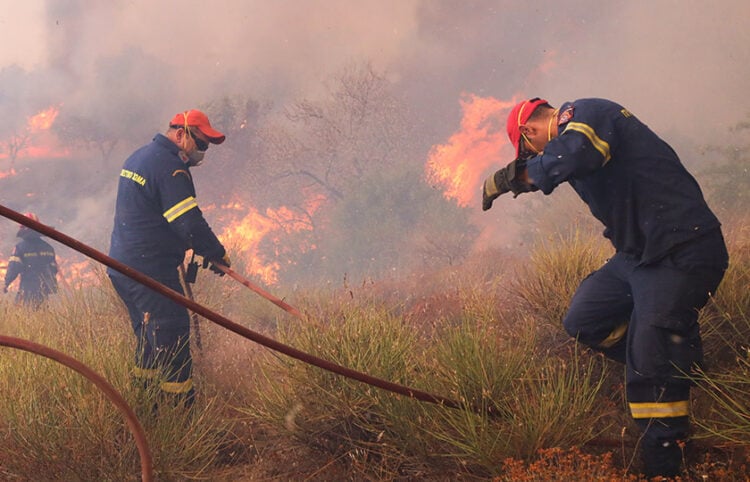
(43, 120)
(250, 227)
(246, 234)
(460, 164)
(77, 274)
(35, 139)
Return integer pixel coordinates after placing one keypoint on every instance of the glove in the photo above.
(505, 180)
(5, 289)
(212, 264)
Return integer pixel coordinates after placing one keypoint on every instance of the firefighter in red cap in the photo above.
(157, 219)
(34, 260)
(641, 307)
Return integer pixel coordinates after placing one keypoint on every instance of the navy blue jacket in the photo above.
(632, 180)
(156, 214)
(34, 260)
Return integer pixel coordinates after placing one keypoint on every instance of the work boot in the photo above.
(661, 458)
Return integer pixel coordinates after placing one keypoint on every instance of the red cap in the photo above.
(518, 117)
(196, 118)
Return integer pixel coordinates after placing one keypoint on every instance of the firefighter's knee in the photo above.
(614, 337)
(571, 327)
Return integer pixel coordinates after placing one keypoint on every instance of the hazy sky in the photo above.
(681, 65)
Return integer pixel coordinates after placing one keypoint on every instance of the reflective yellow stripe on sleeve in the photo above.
(180, 208)
(177, 387)
(659, 409)
(600, 145)
(14, 258)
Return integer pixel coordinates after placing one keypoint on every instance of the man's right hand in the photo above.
(223, 261)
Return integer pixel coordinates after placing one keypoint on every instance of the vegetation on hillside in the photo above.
(536, 406)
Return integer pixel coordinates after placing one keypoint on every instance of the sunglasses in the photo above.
(199, 143)
(525, 152)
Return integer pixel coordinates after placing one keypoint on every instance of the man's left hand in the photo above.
(507, 179)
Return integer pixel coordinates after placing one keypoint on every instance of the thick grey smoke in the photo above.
(680, 65)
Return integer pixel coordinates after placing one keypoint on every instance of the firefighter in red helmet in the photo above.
(33, 259)
(641, 307)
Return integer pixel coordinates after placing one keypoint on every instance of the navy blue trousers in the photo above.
(162, 331)
(646, 316)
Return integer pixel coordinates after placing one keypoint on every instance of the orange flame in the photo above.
(246, 233)
(43, 120)
(461, 164)
(35, 140)
(77, 274)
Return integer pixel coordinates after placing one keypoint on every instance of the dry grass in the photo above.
(535, 406)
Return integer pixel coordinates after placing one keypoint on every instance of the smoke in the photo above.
(680, 65)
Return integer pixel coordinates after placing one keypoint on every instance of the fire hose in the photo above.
(103, 386)
(276, 301)
(225, 322)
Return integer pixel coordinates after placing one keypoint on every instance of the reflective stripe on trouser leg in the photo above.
(177, 387)
(640, 410)
(614, 337)
(145, 373)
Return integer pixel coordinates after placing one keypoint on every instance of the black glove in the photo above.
(505, 180)
(212, 264)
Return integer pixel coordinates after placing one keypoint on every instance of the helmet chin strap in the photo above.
(549, 133)
(528, 141)
(186, 128)
(549, 125)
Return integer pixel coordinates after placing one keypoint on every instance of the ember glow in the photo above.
(461, 164)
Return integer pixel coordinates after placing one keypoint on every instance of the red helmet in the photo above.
(30, 216)
(517, 117)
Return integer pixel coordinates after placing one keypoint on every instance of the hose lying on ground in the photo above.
(103, 386)
(225, 322)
